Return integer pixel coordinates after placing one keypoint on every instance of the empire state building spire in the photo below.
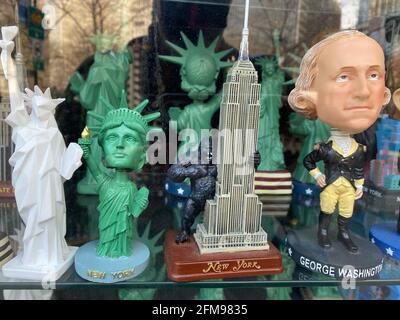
(244, 44)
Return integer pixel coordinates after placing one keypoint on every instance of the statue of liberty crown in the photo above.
(192, 49)
(123, 113)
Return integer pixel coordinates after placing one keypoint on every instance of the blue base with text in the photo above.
(91, 267)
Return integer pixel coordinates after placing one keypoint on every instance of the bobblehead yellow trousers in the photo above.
(339, 192)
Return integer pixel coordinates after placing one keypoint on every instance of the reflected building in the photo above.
(299, 21)
(68, 43)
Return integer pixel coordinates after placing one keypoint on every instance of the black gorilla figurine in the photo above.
(203, 177)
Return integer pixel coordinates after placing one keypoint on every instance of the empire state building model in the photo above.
(232, 220)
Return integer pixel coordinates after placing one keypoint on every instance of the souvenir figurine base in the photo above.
(94, 268)
(6, 189)
(185, 263)
(178, 189)
(305, 251)
(15, 269)
(385, 237)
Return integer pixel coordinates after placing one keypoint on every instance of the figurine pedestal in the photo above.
(185, 263)
(336, 261)
(15, 269)
(386, 238)
(91, 267)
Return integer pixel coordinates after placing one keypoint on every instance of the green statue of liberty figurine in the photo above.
(273, 79)
(200, 67)
(122, 134)
(106, 78)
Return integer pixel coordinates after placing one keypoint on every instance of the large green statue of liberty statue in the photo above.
(106, 78)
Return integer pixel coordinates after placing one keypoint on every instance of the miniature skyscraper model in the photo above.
(232, 220)
(230, 242)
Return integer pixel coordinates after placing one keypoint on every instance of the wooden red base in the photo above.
(185, 263)
(6, 189)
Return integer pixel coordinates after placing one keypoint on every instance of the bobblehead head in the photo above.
(342, 82)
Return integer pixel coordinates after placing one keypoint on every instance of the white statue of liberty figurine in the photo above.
(41, 163)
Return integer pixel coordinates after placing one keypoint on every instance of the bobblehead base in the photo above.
(386, 238)
(336, 262)
(185, 263)
(16, 270)
(90, 266)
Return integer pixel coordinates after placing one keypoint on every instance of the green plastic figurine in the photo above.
(273, 80)
(106, 78)
(122, 137)
(313, 132)
(200, 67)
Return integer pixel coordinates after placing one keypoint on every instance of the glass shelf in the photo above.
(163, 214)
